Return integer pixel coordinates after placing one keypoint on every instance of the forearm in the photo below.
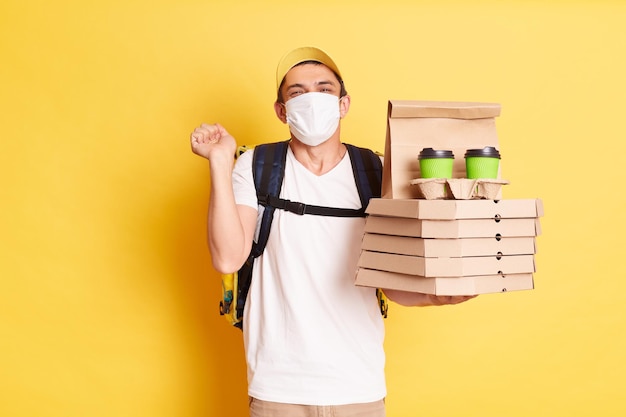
(406, 298)
(226, 233)
(416, 299)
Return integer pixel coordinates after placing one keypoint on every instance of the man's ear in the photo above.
(281, 112)
(344, 106)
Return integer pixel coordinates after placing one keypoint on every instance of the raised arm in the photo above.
(230, 227)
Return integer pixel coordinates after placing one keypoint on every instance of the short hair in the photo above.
(342, 91)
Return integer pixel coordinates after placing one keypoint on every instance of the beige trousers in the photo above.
(259, 408)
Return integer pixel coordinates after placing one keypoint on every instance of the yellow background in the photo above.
(108, 303)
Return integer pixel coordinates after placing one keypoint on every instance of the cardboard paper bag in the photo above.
(413, 125)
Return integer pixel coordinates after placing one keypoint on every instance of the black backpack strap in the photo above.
(368, 171)
(268, 170)
(301, 208)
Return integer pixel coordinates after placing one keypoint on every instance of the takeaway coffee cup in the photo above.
(482, 163)
(436, 163)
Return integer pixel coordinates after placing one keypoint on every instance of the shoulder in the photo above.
(365, 154)
(362, 149)
(244, 161)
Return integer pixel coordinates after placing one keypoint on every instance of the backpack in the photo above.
(268, 169)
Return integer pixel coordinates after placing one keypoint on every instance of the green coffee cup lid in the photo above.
(427, 153)
(487, 151)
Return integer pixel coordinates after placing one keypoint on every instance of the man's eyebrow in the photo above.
(297, 85)
(324, 82)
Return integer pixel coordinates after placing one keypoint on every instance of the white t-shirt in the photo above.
(311, 336)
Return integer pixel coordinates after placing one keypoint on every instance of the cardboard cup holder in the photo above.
(458, 188)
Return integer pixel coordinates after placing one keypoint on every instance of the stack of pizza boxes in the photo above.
(446, 237)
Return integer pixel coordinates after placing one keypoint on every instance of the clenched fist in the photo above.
(210, 140)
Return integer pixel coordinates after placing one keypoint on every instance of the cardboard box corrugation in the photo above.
(445, 286)
(448, 248)
(447, 267)
(455, 209)
(447, 229)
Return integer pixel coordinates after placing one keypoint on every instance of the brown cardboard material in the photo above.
(447, 267)
(458, 188)
(448, 248)
(472, 285)
(453, 238)
(450, 229)
(456, 209)
(413, 125)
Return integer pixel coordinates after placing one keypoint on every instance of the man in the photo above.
(313, 340)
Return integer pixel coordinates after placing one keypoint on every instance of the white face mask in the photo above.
(313, 117)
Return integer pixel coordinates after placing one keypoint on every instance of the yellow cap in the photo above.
(298, 55)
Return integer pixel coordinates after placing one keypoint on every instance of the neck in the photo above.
(319, 159)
